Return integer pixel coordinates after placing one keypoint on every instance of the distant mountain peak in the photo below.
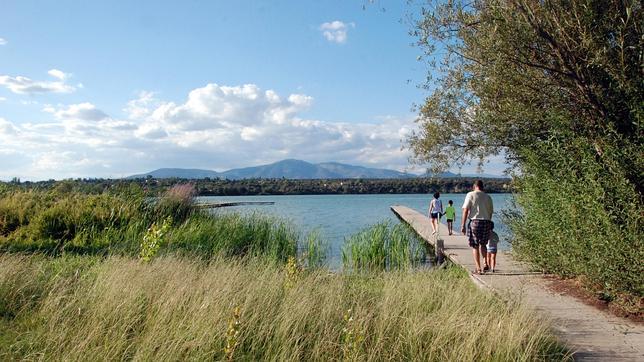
(289, 168)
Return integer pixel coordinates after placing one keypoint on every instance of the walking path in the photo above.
(593, 334)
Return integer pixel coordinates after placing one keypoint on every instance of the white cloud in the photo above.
(83, 111)
(57, 74)
(336, 31)
(216, 127)
(7, 128)
(3, 41)
(2, 99)
(140, 108)
(24, 85)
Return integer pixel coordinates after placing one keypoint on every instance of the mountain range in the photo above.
(291, 169)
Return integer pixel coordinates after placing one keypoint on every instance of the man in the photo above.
(478, 209)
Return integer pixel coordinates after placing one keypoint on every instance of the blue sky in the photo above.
(111, 88)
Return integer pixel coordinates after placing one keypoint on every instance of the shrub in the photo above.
(578, 217)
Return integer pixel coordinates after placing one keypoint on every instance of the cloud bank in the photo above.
(216, 127)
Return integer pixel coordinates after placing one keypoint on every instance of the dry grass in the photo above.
(176, 309)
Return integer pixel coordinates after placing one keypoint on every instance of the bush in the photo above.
(578, 217)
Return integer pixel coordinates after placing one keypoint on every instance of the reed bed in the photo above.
(235, 235)
(57, 222)
(383, 246)
(173, 308)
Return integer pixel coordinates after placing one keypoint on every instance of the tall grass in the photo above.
(206, 235)
(383, 247)
(59, 222)
(183, 309)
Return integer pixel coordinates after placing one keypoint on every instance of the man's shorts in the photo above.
(435, 215)
(478, 232)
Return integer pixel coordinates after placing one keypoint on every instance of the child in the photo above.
(435, 211)
(491, 249)
(450, 214)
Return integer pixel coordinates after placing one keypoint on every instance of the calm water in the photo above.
(338, 216)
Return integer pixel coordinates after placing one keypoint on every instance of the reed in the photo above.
(58, 222)
(383, 247)
(174, 308)
(205, 235)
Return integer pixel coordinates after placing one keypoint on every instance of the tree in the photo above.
(519, 72)
(557, 87)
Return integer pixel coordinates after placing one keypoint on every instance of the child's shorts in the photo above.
(450, 220)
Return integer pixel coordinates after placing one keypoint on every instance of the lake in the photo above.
(337, 216)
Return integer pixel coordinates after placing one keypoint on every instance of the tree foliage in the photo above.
(557, 87)
(513, 73)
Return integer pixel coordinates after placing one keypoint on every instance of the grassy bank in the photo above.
(62, 221)
(174, 308)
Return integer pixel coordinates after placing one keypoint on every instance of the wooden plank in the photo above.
(212, 205)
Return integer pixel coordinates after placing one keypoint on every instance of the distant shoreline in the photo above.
(274, 187)
(255, 187)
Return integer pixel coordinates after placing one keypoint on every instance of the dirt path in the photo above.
(594, 334)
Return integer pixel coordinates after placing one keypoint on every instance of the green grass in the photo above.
(180, 308)
(383, 247)
(57, 223)
(230, 235)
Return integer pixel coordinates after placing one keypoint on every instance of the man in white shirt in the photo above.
(478, 208)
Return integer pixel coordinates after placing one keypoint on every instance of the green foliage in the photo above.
(579, 218)
(383, 247)
(512, 73)
(151, 242)
(61, 220)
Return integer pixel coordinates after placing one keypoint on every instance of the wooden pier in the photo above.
(594, 335)
(213, 205)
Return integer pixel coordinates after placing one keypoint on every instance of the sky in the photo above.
(114, 88)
